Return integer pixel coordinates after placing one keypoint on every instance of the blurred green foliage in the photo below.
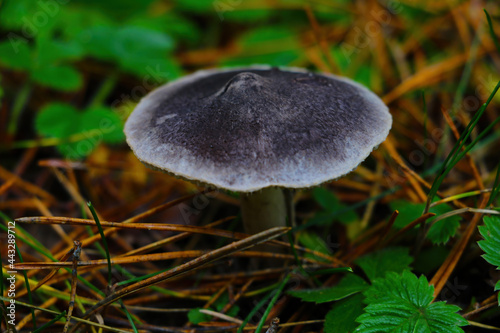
(63, 45)
(60, 44)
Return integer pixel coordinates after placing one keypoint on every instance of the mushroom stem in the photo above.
(263, 209)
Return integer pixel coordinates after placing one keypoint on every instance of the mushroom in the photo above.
(256, 131)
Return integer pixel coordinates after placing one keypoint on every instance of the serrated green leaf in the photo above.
(440, 232)
(61, 77)
(342, 316)
(377, 264)
(15, 53)
(402, 303)
(491, 243)
(349, 285)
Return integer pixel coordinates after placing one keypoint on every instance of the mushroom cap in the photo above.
(244, 129)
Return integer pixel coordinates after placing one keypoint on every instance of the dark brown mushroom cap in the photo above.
(249, 128)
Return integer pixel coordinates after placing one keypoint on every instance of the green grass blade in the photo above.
(129, 316)
(50, 323)
(492, 31)
(28, 289)
(455, 155)
(30, 296)
(277, 293)
(255, 309)
(108, 258)
(103, 238)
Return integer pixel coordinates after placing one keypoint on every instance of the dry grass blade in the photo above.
(441, 277)
(152, 211)
(143, 226)
(154, 257)
(189, 266)
(52, 273)
(28, 187)
(221, 316)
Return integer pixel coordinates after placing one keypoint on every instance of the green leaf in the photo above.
(93, 126)
(440, 232)
(198, 6)
(14, 13)
(179, 28)
(105, 121)
(325, 198)
(116, 10)
(491, 243)
(137, 50)
(331, 205)
(402, 303)
(342, 316)
(61, 77)
(97, 41)
(75, 21)
(196, 317)
(15, 53)
(377, 264)
(133, 42)
(349, 285)
(157, 70)
(51, 51)
(53, 119)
